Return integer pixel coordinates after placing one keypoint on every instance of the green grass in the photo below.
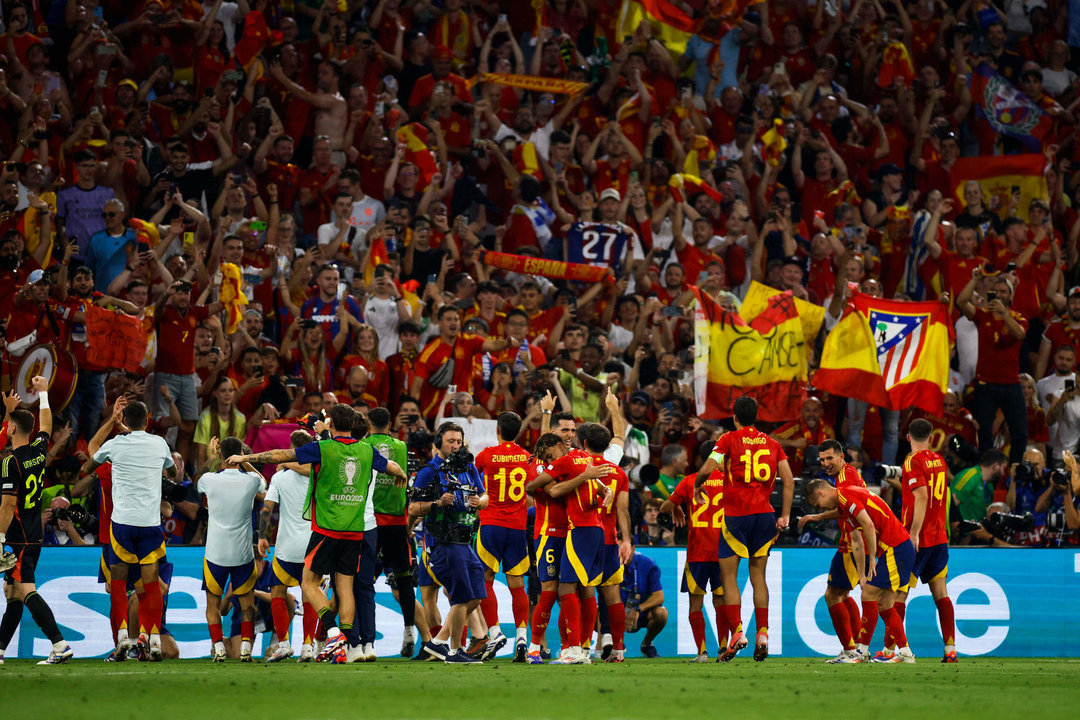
(789, 688)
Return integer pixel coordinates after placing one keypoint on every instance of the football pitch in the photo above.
(662, 688)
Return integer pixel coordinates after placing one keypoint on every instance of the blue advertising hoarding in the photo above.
(1009, 602)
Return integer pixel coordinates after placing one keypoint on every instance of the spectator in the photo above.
(653, 533)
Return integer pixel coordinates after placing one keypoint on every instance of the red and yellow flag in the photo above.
(145, 232)
(682, 183)
(531, 82)
(232, 296)
(701, 152)
(546, 268)
(774, 143)
(377, 256)
(670, 24)
(764, 359)
(896, 63)
(526, 160)
(998, 175)
(414, 136)
(113, 339)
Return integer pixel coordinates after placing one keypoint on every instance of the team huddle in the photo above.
(346, 514)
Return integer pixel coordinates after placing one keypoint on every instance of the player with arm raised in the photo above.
(287, 491)
(924, 486)
(230, 494)
(336, 503)
(138, 461)
(21, 482)
(502, 536)
(888, 543)
(702, 570)
(843, 572)
(752, 461)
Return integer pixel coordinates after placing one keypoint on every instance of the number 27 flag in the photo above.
(889, 353)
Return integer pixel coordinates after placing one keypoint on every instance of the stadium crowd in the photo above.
(346, 166)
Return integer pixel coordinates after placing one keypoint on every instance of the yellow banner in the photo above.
(757, 300)
(529, 82)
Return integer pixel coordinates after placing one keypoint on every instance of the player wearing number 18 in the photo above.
(924, 486)
(502, 536)
(21, 475)
(752, 461)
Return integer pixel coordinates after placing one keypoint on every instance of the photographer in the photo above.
(1026, 481)
(63, 524)
(408, 421)
(1059, 502)
(448, 492)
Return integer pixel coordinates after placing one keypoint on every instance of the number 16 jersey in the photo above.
(926, 468)
(506, 471)
(751, 458)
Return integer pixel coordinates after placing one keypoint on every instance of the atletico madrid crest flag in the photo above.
(889, 353)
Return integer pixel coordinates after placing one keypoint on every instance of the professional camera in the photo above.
(1056, 522)
(172, 492)
(453, 486)
(1061, 479)
(77, 514)
(458, 462)
(1025, 474)
(883, 473)
(1002, 524)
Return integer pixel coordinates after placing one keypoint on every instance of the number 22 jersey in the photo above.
(751, 459)
(703, 521)
(21, 475)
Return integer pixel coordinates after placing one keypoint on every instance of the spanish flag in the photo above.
(526, 160)
(889, 353)
(896, 63)
(845, 193)
(377, 256)
(414, 136)
(764, 359)
(701, 152)
(681, 182)
(145, 232)
(232, 296)
(998, 175)
(670, 25)
(255, 37)
(775, 143)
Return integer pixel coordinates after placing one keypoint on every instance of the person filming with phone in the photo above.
(1059, 399)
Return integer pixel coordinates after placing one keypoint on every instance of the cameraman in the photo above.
(1027, 480)
(448, 492)
(990, 532)
(1059, 501)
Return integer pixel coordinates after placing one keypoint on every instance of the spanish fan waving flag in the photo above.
(889, 353)
(232, 296)
(774, 143)
(414, 136)
(896, 63)
(682, 183)
(670, 24)
(1006, 110)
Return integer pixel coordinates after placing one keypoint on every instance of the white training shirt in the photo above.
(382, 314)
(230, 497)
(288, 489)
(137, 460)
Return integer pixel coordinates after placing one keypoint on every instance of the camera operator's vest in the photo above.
(338, 495)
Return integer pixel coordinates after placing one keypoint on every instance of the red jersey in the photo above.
(505, 473)
(854, 499)
(999, 351)
(1061, 332)
(433, 359)
(703, 530)
(551, 519)
(926, 468)
(584, 502)
(616, 480)
(848, 477)
(751, 459)
(947, 424)
(176, 339)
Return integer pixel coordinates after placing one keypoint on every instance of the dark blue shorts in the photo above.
(583, 562)
(747, 535)
(137, 545)
(699, 575)
(425, 578)
(459, 570)
(217, 577)
(108, 559)
(287, 573)
(843, 572)
(549, 557)
(894, 566)
(930, 563)
(495, 544)
(613, 567)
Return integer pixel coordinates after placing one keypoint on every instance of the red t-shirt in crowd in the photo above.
(176, 339)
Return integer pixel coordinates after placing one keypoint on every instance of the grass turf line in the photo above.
(778, 688)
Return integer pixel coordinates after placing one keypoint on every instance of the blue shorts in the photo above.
(459, 570)
(894, 566)
(287, 573)
(843, 572)
(583, 562)
(613, 567)
(930, 563)
(699, 575)
(495, 544)
(549, 557)
(108, 559)
(217, 577)
(747, 535)
(137, 545)
(426, 579)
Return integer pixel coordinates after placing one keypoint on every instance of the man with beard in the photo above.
(191, 179)
(13, 271)
(800, 434)
(331, 110)
(1063, 331)
(273, 164)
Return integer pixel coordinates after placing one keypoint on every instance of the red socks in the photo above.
(841, 623)
(247, 630)
(118, 606)
(215, 633)
(150, 609)
(280, 610)
(311, 619)
(895, 625)
(617, 620)
(570, 608)
(697, 627)
(542, 615)
(869, 622)
(733, 615)
(520, 601)
(722, 626)
(489, 606)
(854, 617)
(761, 619)
(948, 620)
(589, 610)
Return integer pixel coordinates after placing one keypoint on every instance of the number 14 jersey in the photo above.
(506, 471)
(926, 468)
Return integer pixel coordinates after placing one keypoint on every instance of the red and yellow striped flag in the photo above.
(896, 63)
(691, 184)
(526, 161)
(377, 256)
(775, 143)
(414, 136)
(232, 296)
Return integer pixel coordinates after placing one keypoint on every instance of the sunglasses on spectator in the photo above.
(109, 213)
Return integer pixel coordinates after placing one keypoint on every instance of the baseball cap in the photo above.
(642, 396)
(130, 83)
(611, 193)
